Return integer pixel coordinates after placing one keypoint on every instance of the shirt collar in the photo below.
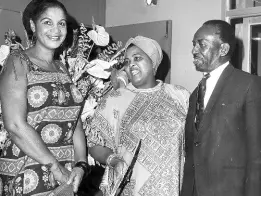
(219, 69)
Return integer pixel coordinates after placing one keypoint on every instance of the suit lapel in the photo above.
(216, 92)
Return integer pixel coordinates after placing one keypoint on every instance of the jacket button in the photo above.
(196, 144)
(193, 166)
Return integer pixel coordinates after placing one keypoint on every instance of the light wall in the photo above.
(81, 10)
(84, 10)
(186, 15)
(10, 19)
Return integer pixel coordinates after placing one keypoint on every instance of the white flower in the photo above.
(98, 83)
(3, 137)
(88, 109)
(100, 68)
(100, 37)
(4, 52)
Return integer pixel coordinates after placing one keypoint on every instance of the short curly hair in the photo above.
(35, 9)
(225, 31)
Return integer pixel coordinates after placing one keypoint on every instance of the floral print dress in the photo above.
(53, 105)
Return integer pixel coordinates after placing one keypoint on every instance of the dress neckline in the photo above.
(37, 67)
(147, 90)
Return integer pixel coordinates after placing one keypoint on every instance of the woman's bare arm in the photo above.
(13, 96)
(100, 153)
(79, 143)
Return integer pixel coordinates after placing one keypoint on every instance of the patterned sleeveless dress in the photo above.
(53, 104)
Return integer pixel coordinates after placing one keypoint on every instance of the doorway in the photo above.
(245, 16)
(247, 55)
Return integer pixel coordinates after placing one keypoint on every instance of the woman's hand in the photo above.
(114, 80)
(119, 166)
(76, 178)
(58, 173)
(119, 78)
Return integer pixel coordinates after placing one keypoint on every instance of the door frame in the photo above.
(251, 16)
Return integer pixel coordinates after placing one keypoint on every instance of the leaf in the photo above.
(101, 68)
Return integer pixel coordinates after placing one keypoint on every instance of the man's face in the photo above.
(206, 49)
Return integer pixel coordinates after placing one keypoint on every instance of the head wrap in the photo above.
(150, 47)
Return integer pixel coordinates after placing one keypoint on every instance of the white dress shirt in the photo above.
(212, 81)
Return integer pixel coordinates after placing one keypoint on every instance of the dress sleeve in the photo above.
(181, 94)
(104, 125)
(16, 64)
(185, 94)
(93, 133)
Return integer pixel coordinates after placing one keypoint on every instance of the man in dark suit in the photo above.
(223, 129)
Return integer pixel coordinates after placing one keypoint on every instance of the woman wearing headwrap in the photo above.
(148, 110)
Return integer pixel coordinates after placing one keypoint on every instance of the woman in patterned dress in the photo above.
(146, 109)
(40, 106)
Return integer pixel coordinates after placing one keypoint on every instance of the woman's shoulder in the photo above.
(14, 55)
(178, 89)
(117, 97)
(178, 93)
(20, 57)
(19, 54)
(120, 93)
(14, 59)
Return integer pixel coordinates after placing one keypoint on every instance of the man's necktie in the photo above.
(200, 100)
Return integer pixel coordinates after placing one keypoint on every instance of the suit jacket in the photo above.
(223, 157)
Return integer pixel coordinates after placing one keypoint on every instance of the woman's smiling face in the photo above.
(51, 28)
(139, 68)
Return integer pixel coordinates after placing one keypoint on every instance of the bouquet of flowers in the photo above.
(90, 60)
(12, 41)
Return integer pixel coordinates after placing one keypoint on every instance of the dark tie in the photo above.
(200, 100)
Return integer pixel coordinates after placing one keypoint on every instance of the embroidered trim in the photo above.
(10, 167)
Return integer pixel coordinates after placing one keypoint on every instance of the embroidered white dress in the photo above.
(157, 117)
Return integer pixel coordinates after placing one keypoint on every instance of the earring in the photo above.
(33, 39)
